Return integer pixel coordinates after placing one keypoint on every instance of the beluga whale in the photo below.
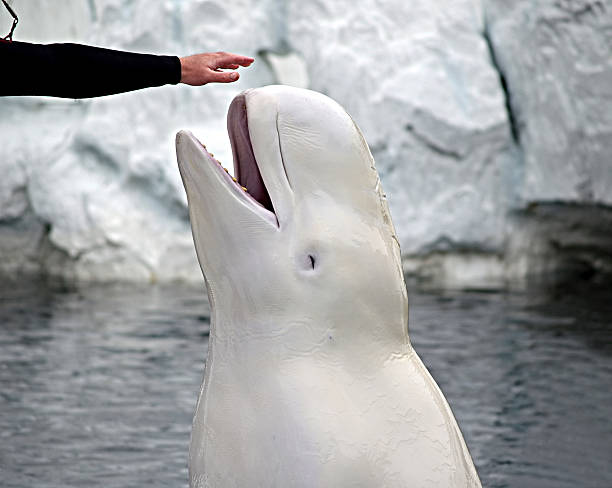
(310, 379)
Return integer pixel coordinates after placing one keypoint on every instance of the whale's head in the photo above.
(303, 234)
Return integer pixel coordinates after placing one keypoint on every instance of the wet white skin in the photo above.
(310, 379)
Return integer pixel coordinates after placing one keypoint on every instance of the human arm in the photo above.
(78, 71)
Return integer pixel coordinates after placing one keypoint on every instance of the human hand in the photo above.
(200, 69)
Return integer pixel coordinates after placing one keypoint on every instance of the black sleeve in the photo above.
(77, 71)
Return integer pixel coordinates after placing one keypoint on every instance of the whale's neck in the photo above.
(355, 340)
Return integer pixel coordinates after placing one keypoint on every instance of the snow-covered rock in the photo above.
(556, 61)
(480, 116)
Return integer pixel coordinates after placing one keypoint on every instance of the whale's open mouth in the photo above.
(247, 183)
(245, 166)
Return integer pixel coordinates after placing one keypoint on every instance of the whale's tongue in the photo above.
(245, 166)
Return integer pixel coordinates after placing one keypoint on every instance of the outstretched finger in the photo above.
(226, 66)
(223, 76)
(228, 60)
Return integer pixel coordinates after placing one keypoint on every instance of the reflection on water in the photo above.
(98, 383)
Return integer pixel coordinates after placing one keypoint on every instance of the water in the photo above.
(98, 383)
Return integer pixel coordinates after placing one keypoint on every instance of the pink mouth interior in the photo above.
(245, 166)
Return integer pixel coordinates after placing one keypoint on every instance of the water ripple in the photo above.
(98, 383)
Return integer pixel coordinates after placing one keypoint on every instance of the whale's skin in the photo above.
(310, 380)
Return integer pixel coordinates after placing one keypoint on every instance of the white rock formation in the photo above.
(557, 64)
(476, 112)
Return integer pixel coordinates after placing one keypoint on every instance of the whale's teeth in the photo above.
(244, 188)
(235, 180)
(226, 170)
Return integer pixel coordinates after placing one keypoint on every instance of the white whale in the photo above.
(311, 380)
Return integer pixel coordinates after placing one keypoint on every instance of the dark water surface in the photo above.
(98, 383)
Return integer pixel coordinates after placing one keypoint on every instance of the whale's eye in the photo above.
(307, 262)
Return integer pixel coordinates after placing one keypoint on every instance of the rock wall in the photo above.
(557, 68)
(554, 60)
(483, 117)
